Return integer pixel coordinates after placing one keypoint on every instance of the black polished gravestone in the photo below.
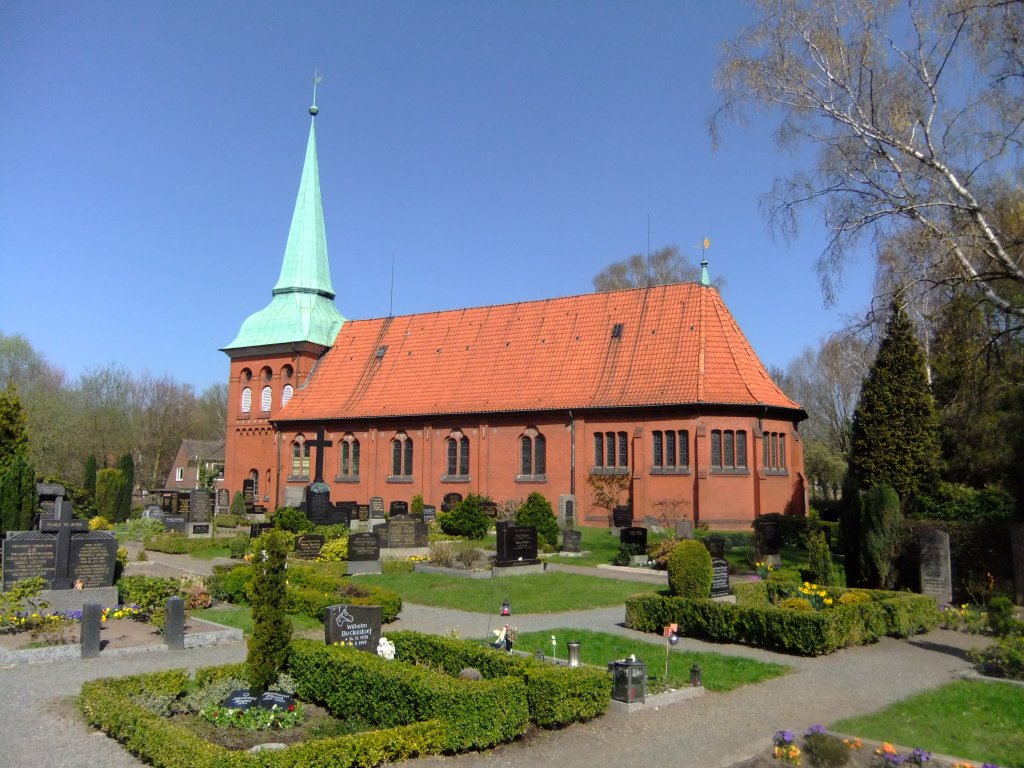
(63, 552)
(635, 537)
(308, 546)
(719, 578)
(398, 508)
(622, 517)
(363, 547)
(271, 699)
(185, 504)
(429, 513)
(317, 504)
(402, 532)
(176, 522)
(490, 508)
(200, 505)
(343, 513)
(450, 501)
(516, 545)
(258, 529)
(169, 503)
(249, 496)
(357, 626)
(767, 535)
(377, 507)
(715, 546)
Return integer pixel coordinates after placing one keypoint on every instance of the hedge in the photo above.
(477, 713)
(757, 622)
(556, 695)
(173, 543)
(109, 704)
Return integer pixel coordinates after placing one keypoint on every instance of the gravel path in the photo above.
(40, 725)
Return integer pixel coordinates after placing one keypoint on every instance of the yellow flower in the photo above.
(828, 601)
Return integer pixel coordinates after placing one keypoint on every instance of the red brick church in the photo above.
(655, 384)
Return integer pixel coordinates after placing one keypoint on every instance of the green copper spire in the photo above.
(302, 308)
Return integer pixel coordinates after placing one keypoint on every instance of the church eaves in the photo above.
(302, 307)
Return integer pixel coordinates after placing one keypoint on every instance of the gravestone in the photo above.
(715, 546)
(185, 504)
(50, 495)
(153, 513)
(768, 535)
(343, 513)
(451, 500)
(936, 578)
(516, 545)
(622, 517)
(566, 510)
(363, 553)
(241, 699)
(271, 699)
(176, 522)
(429, 513)
(572, 541)
(174, 624)
(63, 551)
(402, 532)
(308, 546)
(200, 505)
(684, 529)
(258, 529)
(635, 537)
(363, 512)
(200, 530)
(376, 507)
(357, 626)
(317, 502)
(169, 503)
(249, 496)
(719, 577)
(398, 508)
(223, 500)
(490, 509)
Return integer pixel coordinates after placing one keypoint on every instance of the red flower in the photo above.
(291, 707)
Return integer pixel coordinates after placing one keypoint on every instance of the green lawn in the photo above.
(212, 552)
(240, 617)
(718, 672)
(971, 719)
(534, 593)
(600, 546)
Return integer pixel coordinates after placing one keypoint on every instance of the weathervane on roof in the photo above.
(317, 77)
(704, 278)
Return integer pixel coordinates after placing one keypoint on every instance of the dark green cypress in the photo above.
(271, 630)
(124, 502)
(881, 535)
(895, 438)
(89, 476)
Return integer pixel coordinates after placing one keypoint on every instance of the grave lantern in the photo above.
(573, 647)
(629, 681)
(695, 675)
(506, 608)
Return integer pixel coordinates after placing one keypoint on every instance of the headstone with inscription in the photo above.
(566, 510)
(343, 513)
(169, 502)
(376, 507)
(223, 500)
(516, 545)
(363, 553)
(719, 577)
(177, 523)
(357, 626)
(490, 509)
(308, 546)
(270, 699)
(768, 535)
(185, 504)
(635, 537)
(622, 516)
(317, 504)
(936, 577)
(429, 513)
(398, 508)
(571, 540)
(50, 496)
(684, 529)
(200, 505)
(363, 512)
(249, 496)
(402, 532)
(451, 500)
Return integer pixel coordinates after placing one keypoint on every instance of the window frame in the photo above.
(402, 454)
(532, 457)
(300, 460)
(729, 452)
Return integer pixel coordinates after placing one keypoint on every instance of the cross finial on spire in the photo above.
(317, 77)
(705, 279)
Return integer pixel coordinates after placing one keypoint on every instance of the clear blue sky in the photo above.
(150, 155)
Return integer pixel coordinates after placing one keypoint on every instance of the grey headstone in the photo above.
(363, 547)
(91, 621)
(93, 558)
(402, 532)
(377, 507)
(174, 627)
(567, 510)
(936, 577)
(200, 530)
(429, 513)
(684, 529)
(715, 546)
(176, 522)
(571, 541)
(355, 625)
(201, 505)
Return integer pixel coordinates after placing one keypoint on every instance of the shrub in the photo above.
(626, 552)
(150, 593)
(268, 644)
(660, 551)
(854, 597)
(292, 519)
(1004, 659)
(416, 507)
(825, 750)
(881, 535)
(689, 570)
(238, 547)
(331, 532)
(819, 559)
(1001, 618)
(442, 553)
(99, 523)
(467, 519)
(536, 511)
(176, 544)
(786, 576)
(228, 521)
(334, 551)
(238, 505)
(951, 501)
(795, 604)
(466, 554)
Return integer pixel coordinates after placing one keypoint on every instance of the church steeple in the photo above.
(302, 308)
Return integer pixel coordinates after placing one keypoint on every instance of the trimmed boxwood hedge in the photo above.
(556, 695)
(755, 621)
(173, 543)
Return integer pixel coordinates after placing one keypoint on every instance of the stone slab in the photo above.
(518, 570)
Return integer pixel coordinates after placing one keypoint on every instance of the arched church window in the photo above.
(300, 457)
(286, 394)
(266, 374)
(401, 456)
(349, 456)
(246, 400)
(457, 452)
(287, 372)
(532, 455)
(265, 399)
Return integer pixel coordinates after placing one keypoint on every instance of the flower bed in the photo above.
(757, 619)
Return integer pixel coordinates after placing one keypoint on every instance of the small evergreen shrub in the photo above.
(467, 519)
(416, 507)
(689, 570)
(1001, 618)
(825, 750)
(268, 644)
(626, 553)
(228, 521)
(819, 559)
(330, 532)
(537, 511)
(292, 519)
(660, 551)
(334, 551)
(1004, 659)
(795, 604)
(854, 597)
(881, 531)
(237, 505)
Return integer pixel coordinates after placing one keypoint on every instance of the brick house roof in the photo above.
(678, 344)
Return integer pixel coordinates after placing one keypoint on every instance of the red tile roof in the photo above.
(679, 345)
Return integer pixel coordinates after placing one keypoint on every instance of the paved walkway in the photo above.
(39, 725)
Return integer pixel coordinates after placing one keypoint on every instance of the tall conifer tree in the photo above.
(895, 427)
(89, 476)
(124, 503)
